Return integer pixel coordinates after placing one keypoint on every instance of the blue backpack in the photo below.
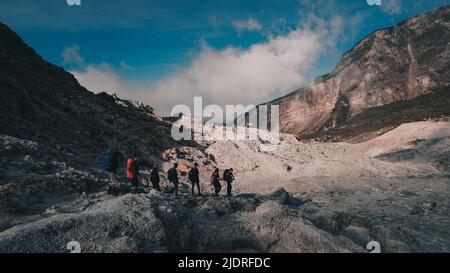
(107, 161)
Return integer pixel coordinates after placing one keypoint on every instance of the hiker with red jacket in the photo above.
(133, 173)
(215, 181)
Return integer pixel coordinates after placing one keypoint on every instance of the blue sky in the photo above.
(150, 50)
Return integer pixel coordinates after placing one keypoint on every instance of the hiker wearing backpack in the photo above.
(228, 176)
(193, 176)
(172, 175)
(111, 165)
(215, 181)
(154, 178)
(133, 173)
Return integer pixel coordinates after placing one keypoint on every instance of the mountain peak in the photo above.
(395, 64)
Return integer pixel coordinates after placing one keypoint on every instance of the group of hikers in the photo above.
(112, 161)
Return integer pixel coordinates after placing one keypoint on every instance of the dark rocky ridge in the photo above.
(41, 102)
(392, 65)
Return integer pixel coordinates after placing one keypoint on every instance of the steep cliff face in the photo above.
(395, 64)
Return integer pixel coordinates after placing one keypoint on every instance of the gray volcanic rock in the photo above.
(280, 194)
(158, 223)
(391, 65)
(123, 224)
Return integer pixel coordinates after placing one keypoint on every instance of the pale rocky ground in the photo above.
(394, 189)
(261, 165)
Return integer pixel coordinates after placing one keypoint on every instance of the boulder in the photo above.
(280, 194)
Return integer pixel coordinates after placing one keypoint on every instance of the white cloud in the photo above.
(391, 6)
(251, 76)
(251, 24)
(71, 55)
(99, 78)
(103, 78)
(230, 76)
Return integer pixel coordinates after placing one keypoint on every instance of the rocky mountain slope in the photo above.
(41, 102)
(392, 65)
(54, 133)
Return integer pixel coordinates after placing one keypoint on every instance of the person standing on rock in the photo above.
(172, 175)
(193, 176)
(228, 176)
(215, 181)
(133, 173)
(154, 178)
(111, 165)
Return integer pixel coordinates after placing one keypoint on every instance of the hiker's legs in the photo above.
(229, 188)
(131, 183)
(112, 178)
(176, 188)
(198, 187)
(156, 186)
(134, 185)
(192, 189)
(217, 188)
(112, 187)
